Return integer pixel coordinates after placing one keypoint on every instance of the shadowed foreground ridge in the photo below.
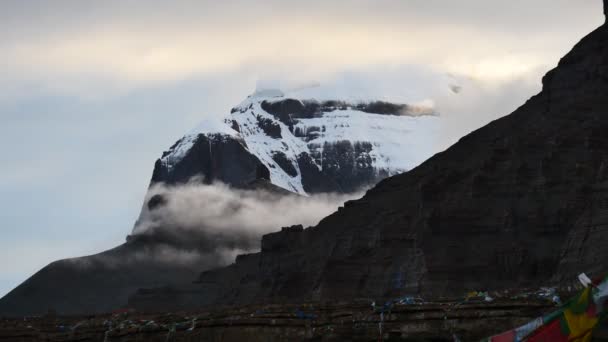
(521, 202)
(304, 322)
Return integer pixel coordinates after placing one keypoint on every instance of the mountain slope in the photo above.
(95, 284)
(518, 203)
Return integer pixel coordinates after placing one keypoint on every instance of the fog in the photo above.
(220, 222)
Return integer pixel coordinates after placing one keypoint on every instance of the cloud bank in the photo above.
(126, 44)
(216, 222)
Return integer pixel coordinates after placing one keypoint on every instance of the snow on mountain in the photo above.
(183, 146)
(287, 133)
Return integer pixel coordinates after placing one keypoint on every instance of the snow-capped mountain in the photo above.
(303, 145)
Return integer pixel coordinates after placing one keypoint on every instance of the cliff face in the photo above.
(215, 157)
(520, 202)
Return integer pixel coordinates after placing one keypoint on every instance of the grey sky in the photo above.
(91, 93)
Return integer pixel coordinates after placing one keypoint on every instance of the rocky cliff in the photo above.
(521, 202)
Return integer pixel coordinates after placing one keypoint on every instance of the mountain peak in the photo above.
(305, 145)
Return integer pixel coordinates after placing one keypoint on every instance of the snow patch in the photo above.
(265, 147)
(398, 143)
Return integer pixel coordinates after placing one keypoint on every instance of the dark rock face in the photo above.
(235, 126)
(156, 201)
(286, 110)
(270, 128)
(520, 202)
(281, 159)
(345, 166)
(289, 110)
(381, 107)
(214, 158)
(308, 134)
(350, 165)
(312, 178)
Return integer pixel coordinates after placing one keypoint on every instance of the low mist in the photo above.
(216, 222)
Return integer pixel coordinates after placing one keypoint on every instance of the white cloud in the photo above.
(130, 45)
(218, 210)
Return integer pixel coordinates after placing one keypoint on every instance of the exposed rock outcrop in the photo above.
(215, 158)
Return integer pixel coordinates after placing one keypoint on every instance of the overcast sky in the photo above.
(92, 92)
